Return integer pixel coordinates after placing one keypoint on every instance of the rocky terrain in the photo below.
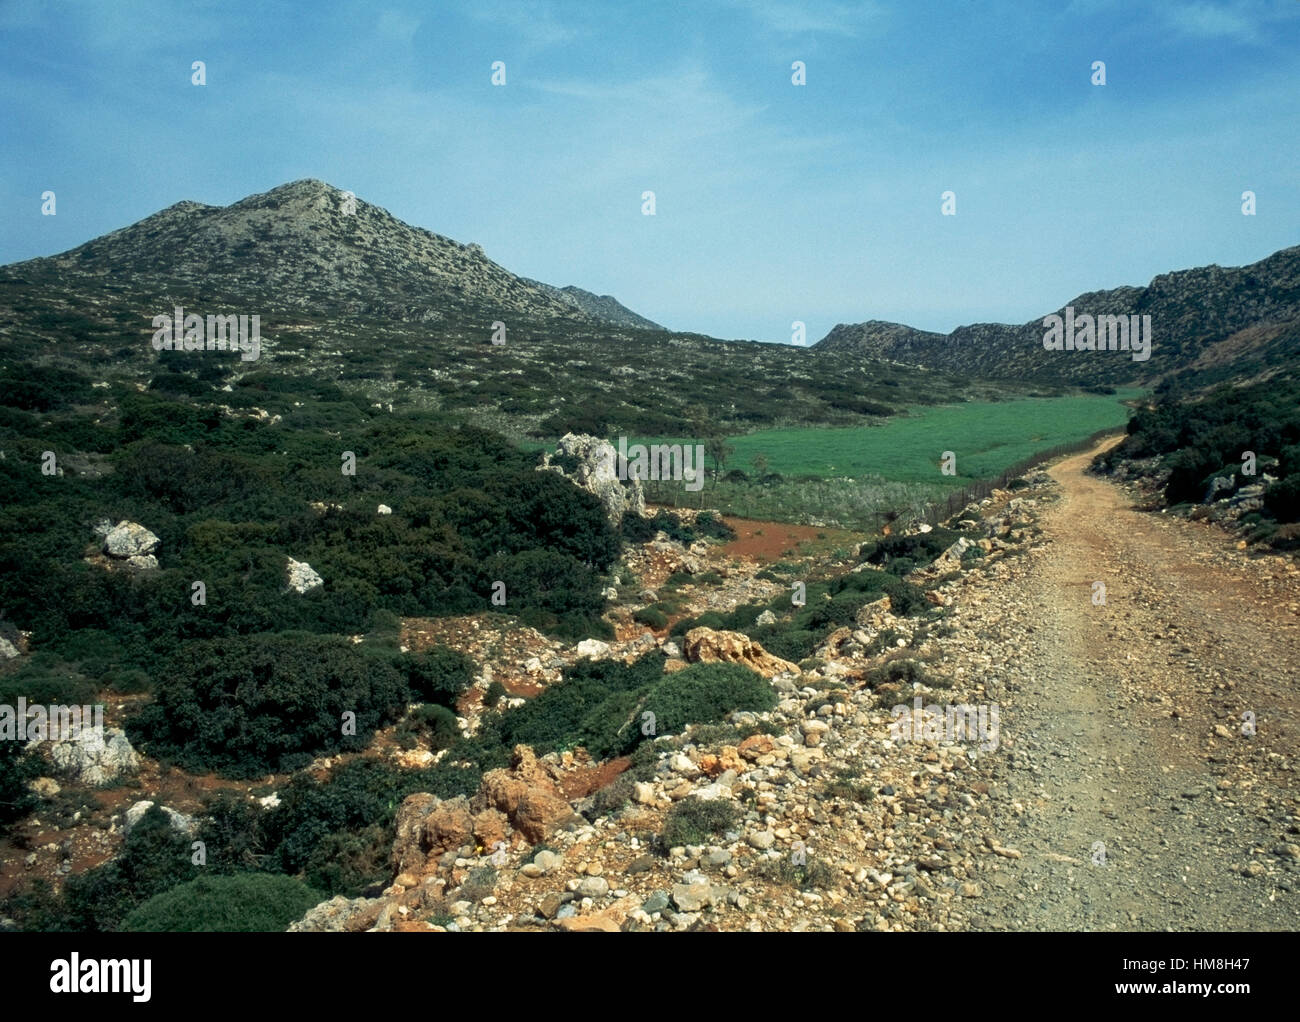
(1121, 791)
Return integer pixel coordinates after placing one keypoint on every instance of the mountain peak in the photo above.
(307, 245)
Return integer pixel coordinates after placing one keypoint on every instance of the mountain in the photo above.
(602, 307)
(1205, 323)
(309, 246)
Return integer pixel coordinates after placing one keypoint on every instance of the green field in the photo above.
(846, 477)
(986, 438)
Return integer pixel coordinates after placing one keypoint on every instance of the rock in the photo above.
(692, 897)
(609, 593)
(755, 746)
(641, 864)
(128, 539)
(871, 615)
(550, 905)
(657, 902)
(608, 920)
(803, 760)
(142, 562)
(8, 650)
(180, 823)
(766, 618)
(547, 860)
(704, 645)
(950, 559)
(46, 787)
(303, 577)
(96, 757)
(670, 649)
(593, 887)
(383, 509)
(340, 915)
(593, 648)
(527, 795)
(761, 840)
(597, 473)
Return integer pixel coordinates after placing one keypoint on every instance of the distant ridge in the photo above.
(1202, 319)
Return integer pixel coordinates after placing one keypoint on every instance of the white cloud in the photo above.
(792, 18)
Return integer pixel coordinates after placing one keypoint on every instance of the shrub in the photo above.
(251, 705)
(651, 618)
(1283, 499)
(705, 694)
(493, 695)
(694, 820)
(154, 859)
(242, 903)
(16, 770)
(438, 675)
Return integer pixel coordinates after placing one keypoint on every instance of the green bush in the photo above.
(16, 770)
(438, 675)
(242, 903)
(705, 694)
(154, 859)
(251, 705)
(651, 618)
(693, 821)
(1282, 499)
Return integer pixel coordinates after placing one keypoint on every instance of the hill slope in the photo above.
(307, 245)
(1200, 319)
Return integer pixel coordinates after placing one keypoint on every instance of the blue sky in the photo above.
(775, 203)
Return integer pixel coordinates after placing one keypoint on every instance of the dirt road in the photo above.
(1125, 780)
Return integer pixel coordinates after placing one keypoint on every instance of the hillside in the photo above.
(606, 308)
(398, 314)
(1201, 318)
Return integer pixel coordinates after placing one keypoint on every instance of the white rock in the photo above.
(128, 539)
(181, 823)
(593, 648)
(303, 577)
(384, 509)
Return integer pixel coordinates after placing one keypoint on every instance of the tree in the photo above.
(719, 450)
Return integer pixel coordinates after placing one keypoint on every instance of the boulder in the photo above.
(706, 646)
(7, 649)
(527, 795)
(128, 539)
(596, 472)
(384, 509)
(593, 648)
(94, 757)
(766, 618)
(303, 577)
(181, 823)
(340, 915)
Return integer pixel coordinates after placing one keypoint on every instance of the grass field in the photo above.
(846, 477)
(985, 437)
